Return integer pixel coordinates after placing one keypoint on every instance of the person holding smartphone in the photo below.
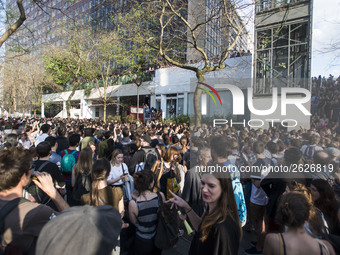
(118, 175)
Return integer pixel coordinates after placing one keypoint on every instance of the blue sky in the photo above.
(326, 31)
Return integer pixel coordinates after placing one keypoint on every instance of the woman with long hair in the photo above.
(158, 167)
(324, 199)
(315, 226)
(118, 176)
(172, 169)
(81, 175)
(143, 213)
(293, 211)
(219, 229)
(100, 192)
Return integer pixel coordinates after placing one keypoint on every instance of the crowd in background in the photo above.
(136, 168)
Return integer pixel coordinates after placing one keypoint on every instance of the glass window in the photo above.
(298, 33)
(264, 39)
(281, 36)
(180, 106)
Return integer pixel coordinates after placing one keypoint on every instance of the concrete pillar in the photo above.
(153, 101)
(185, 107)
(83, 108)
(117, 108)
(64, 115)
(42, 110)
(163, 105)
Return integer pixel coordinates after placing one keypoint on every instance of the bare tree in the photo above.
(194, 35)
(15, 26)
(24, 82)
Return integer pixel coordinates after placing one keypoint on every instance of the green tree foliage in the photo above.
(72, 65)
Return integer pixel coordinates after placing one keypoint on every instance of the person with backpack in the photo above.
(218, 231)
(69, 159)
(44, 165)
(119, 174)
(81, 175)
(143, 213)
(22, 220)
(145, 157)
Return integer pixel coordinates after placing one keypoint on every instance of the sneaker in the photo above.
(253, 244)
(252, 251)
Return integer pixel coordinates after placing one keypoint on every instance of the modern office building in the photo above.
(218, 32)
(282, 57)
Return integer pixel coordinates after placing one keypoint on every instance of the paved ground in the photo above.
(183, 245)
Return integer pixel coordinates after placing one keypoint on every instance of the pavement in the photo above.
(183, 244)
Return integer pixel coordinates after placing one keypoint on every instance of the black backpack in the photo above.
(8, 207)
(82, 186)
(150, 157)
(40, 196)
(167, 226)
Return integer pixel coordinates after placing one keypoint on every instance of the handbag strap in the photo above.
(283, 244)
(42, 165)
(122, 168)
(160, 200)
(101, 201)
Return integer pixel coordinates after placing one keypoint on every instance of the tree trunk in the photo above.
(24, 108)
(35, 113)
(104, 114)
(68, 102)
(105, 100)
(197, 100)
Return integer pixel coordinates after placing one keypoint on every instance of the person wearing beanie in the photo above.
(81, 230)
(145, 157)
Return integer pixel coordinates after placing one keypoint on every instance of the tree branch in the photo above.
(16, 25)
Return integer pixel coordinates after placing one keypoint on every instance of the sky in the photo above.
(326, 31)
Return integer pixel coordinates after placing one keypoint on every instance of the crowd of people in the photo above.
(77, 185)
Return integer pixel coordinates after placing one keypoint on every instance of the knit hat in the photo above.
(81, 230)
(146, 138)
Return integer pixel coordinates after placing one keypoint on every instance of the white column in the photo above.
(153, 101)
(42, 110)
(185, 107)
(117, 108)
(64, 114)
(163, 105)
(83, 108)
